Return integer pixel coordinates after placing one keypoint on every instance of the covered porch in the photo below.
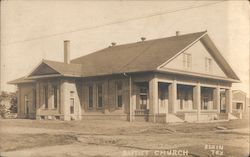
(164, 100)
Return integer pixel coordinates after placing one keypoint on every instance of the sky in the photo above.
(35, 30)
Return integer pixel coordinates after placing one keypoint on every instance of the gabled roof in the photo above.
(142, 56)
(134, 57)
(61, 68)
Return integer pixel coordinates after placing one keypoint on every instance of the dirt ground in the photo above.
(32, 138)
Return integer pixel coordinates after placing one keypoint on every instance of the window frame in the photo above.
(143, 97)
(92, 96)
(46, 96)
(187, 60)
(119, 93)
(34, 97)
(55, 96)
(99, 95)
(208, 64)
(72, 106)
(26, 103)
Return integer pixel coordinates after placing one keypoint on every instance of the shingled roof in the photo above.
(141, 56)
(134, 57)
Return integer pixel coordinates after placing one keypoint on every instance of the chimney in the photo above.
(67, 51)
(177, 33)
(143, 38)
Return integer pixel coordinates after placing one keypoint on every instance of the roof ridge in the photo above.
(134, 43)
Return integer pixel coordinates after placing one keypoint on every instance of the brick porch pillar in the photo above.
(173, 96)
(229, 100)
(153, 98)
(197, 99)
(217, 98)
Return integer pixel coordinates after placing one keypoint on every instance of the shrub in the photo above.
(8, 103)
(4, 111)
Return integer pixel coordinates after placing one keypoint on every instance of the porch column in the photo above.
(130, 101)
(172, 88)
(229, 100)
(37, 99)
(133, 98)
(63, 102)
(217, 98)
(153, 98)
(197, 99)
(19, 101)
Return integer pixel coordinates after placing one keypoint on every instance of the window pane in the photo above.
(143, 90)
(119, 100)
(34, 98)
(119, 86)
(90, 96)
(99, 96)
(99, 101)
(99, 89)
(55, 97)
(72, 105)
(72, 93)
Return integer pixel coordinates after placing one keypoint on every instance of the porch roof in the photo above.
(21, 80)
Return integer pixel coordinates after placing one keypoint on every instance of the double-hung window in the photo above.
(119, 100)
(99, 96)
(208, 64)
(187, 60)
(90, 97)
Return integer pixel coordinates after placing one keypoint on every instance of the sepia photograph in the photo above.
(124, 78)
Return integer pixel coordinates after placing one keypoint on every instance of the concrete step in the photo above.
(172, 118)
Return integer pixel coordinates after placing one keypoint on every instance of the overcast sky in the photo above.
(35, 30)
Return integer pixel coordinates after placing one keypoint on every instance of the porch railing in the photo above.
(141, 112)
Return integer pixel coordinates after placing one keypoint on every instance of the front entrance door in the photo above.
(143, 98)
(204, 105)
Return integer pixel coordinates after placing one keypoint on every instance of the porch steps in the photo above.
(227, 116)
(172, 118)
(232, 116)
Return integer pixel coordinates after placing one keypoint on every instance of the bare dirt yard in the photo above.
(33, 138)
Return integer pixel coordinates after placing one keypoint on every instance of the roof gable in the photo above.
(134, 57)
(56, 68)
(210, 46)
(43, 69)
(198, 55)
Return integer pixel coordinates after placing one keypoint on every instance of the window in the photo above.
(99, 96)
(187, 60)
(34, 98)
(143, 97)
(208, 64)
(72, 93)
(72, 105)
(239, 106)
(55, 92)
(119, 95)
(45, 96)
(204, 104)
(26, 104)
(90, 103)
